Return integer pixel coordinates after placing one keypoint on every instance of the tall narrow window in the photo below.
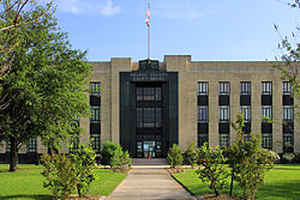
(246, 110)
(288, 113)
(286, 88)
(245, 88)
(202, 88)
(31, 145)
(224, 88)
(7, 146)
(202, 114)
(224, 113)
(266, 113)
(224, 140)
(266, 140)
(266, 88)
(95, 120)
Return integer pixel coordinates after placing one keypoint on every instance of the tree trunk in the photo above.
(13, 155)
(231, 184)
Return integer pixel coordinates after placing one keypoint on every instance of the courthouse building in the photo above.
(149, 105)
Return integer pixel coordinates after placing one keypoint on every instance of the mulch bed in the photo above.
(213, 197)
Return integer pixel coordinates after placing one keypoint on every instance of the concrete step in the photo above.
(145, 162)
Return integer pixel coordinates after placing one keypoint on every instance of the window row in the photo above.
(245, 88)
(266, 112)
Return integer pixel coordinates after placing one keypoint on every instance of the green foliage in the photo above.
(59, 174)
(65, 174)
(113, 155)
(120, 160)
(108, 151)
(248, 160)
(214, 173)
(84, 161)
(43, 81)
(191, 155)
(175, 157)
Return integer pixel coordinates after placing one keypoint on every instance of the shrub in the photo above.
(108, 151)
(213, 172)
(121, 161)
(84, 161)
(65, 174)
(248, 160)
(175, 157)
(297, 158)
(191, 155)
(288, 157)
(59, 174)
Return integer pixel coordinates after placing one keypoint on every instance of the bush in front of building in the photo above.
(67, 174)
(108, 151)
(175, 158)
(190, 155)
(121, 162)
(213, 172)
(115, 157)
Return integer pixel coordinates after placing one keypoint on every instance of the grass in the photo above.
(281, 183)
(27, 183)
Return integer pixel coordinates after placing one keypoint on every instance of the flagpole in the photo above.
(149, 33)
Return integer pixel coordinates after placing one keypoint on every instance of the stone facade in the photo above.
(189, 74)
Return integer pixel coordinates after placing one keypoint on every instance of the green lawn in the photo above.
(27, 183)
(281, 183)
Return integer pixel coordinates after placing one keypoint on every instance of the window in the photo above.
(288, 142)
(148, 117)
(246, 137)
(247, 113)
(202, 138)
(266, 88)
(95, 89)
(158, 118)
(74, 142)
(139, 93)
(158, 94)
(286, 88)
(95, 114)
(31, 145)
(224, 113)
(7, 146)
(149, 94)
(202, 113)
(202, 88)
(224, 88)
(246, 88)
(288, 113)
(266, 140)
(96, 143)
(224, 140)
(266, 113)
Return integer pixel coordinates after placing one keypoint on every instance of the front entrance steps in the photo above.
(150, 163)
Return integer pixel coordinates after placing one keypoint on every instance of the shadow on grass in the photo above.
(286, 190)
(26, 196)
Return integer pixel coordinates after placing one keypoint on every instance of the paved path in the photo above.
(146, 184)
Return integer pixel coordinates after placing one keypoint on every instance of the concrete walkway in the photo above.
(146, 184)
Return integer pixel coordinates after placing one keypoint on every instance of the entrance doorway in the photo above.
(149, 149)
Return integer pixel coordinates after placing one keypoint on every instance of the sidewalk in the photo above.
(149, 184)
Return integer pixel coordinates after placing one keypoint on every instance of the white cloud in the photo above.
(87, 7)
(110, 9)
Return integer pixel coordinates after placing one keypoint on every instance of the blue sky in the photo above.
(207, 30)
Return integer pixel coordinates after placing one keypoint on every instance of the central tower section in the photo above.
(148, 110)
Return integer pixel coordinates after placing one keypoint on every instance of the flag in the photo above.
(147, 21)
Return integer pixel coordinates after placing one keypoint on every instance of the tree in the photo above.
(13, 15)
(248, 160)
(46, 85)
(289, 67)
